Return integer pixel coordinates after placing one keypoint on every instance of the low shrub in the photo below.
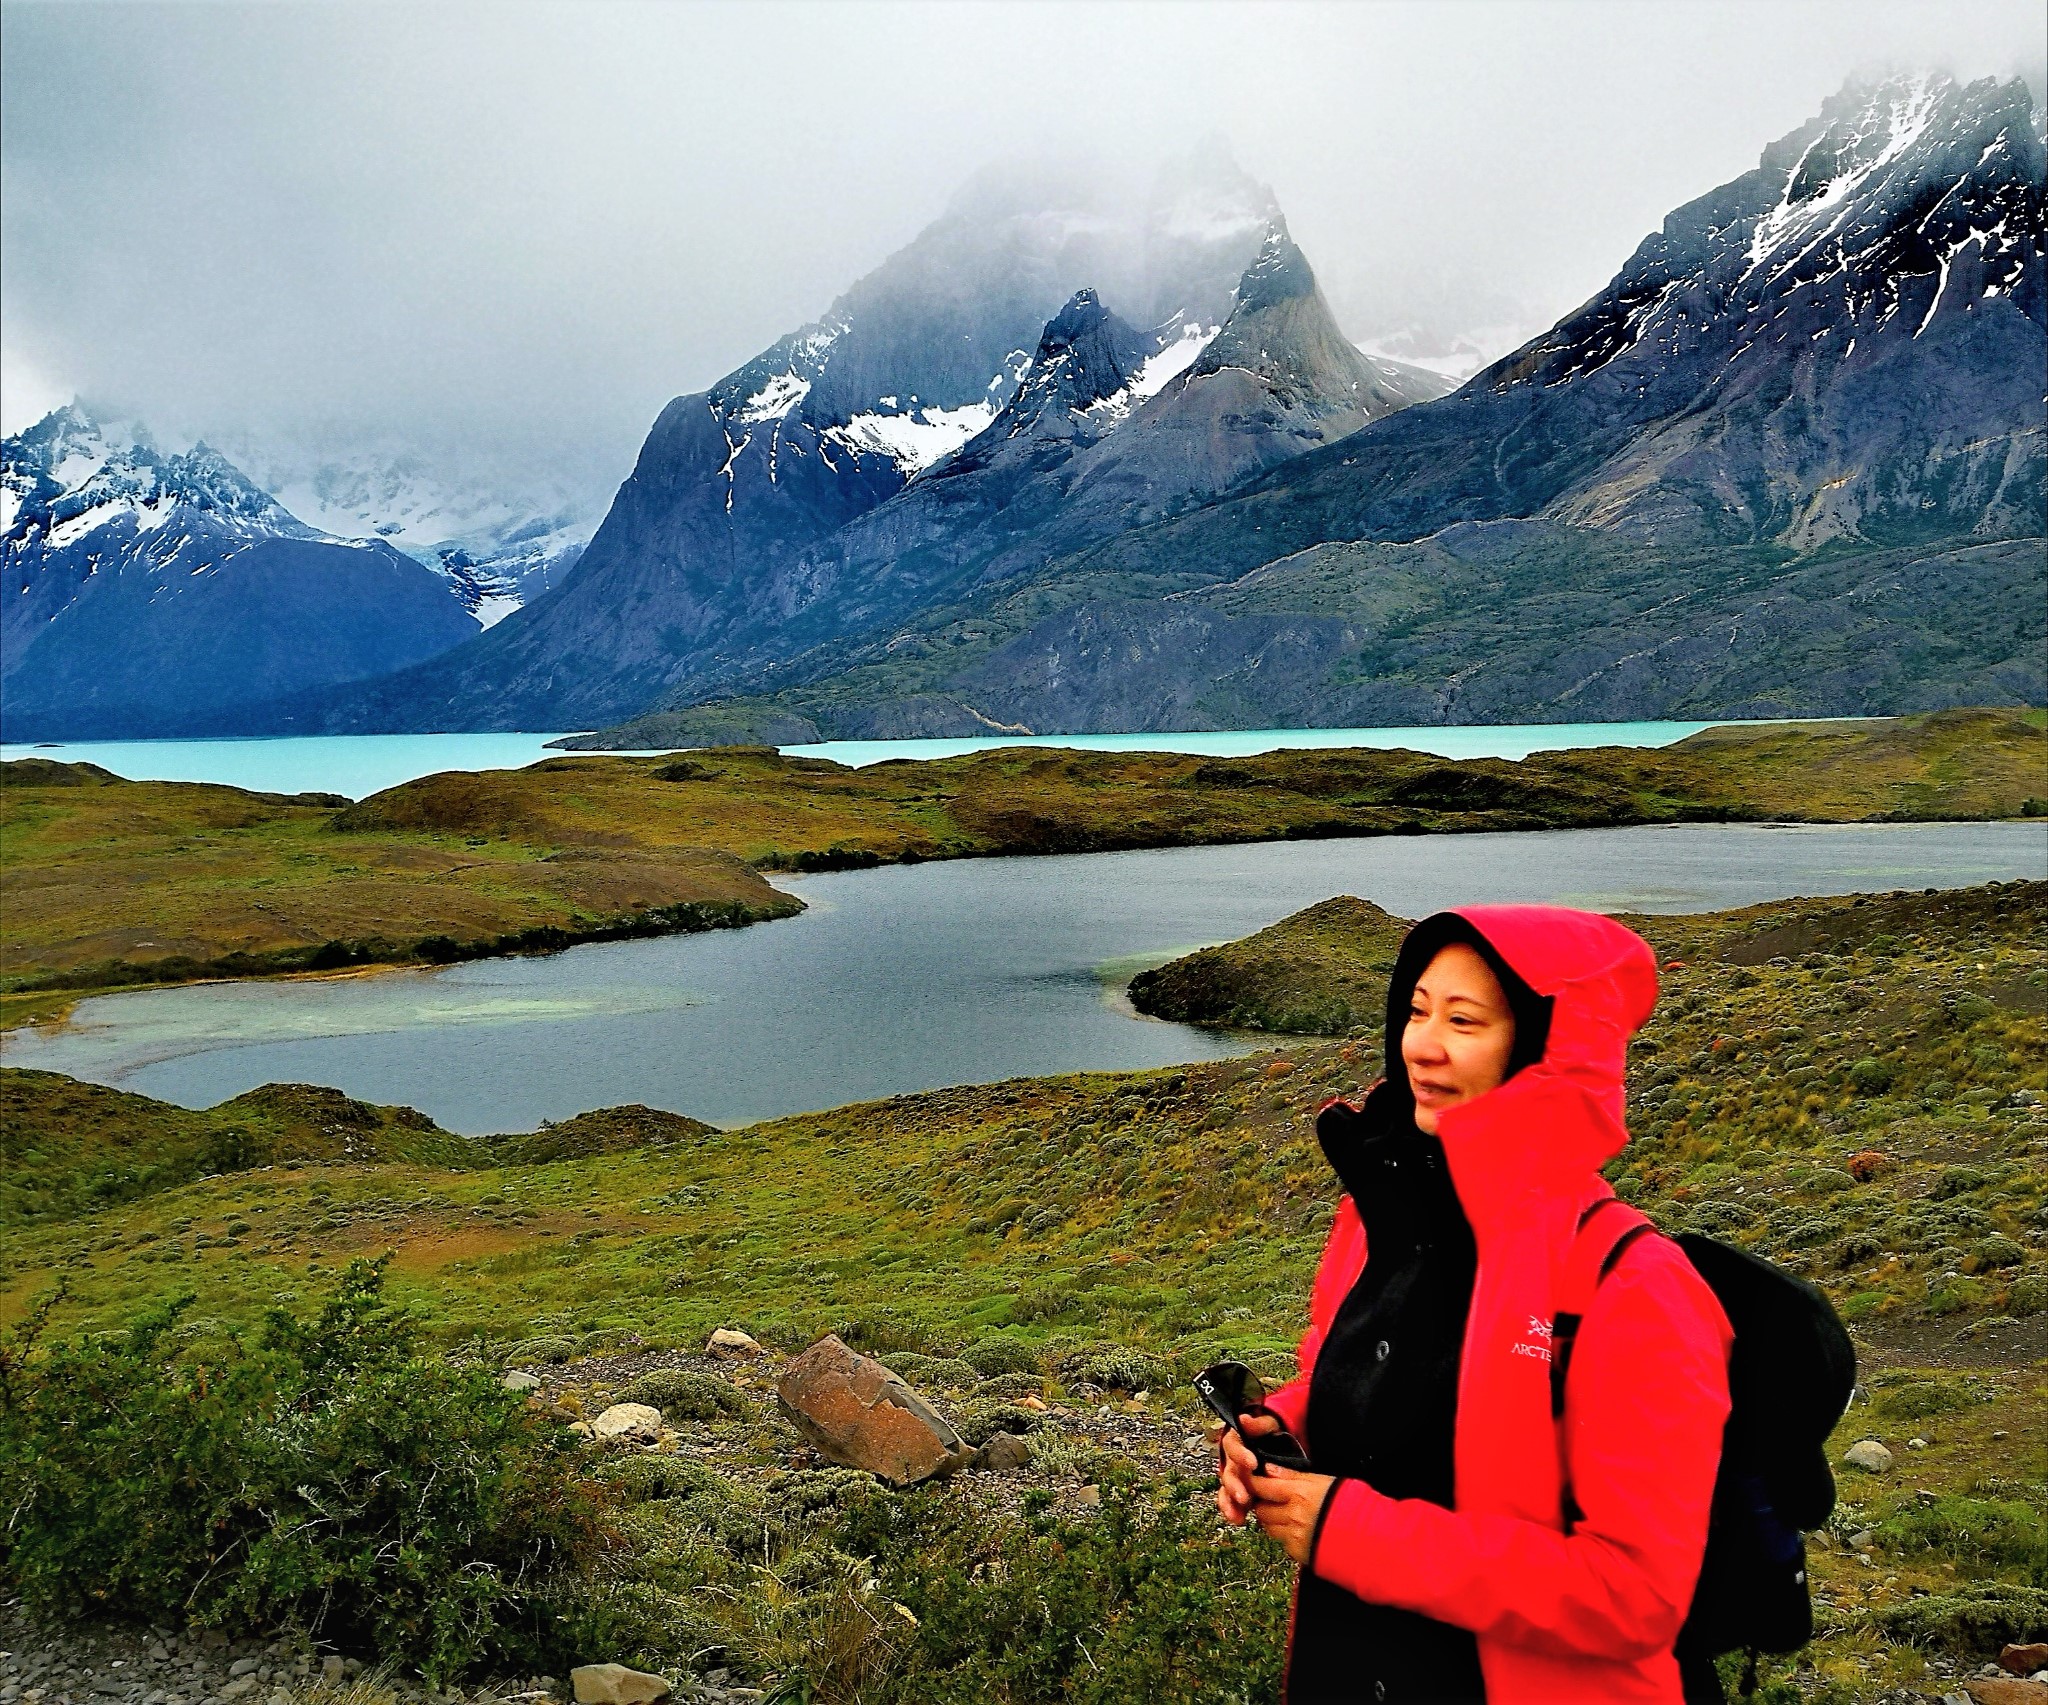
(934, 1372)
(683, 1395)
(551, 1350)
(1000, 1354)
(980, 1422)
(1142, 1600)
(324, 1475)
(2000, 1533)
(1919, 1399)
(1114, 1367)
(1010, 1386)
(1997, 1250)
(1973, 1621)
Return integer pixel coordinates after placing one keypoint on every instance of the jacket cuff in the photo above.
(1342, 1534)
(1290, 1403)
(1315, 1537)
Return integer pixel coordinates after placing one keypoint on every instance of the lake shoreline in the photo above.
(907, 978)
(459, 866)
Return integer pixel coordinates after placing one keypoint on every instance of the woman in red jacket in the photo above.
(1457, 1542)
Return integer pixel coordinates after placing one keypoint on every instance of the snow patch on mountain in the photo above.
(916, 438)
(775, 399)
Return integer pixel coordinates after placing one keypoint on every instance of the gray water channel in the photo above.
(912, 977)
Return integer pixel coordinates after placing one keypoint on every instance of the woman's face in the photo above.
(1459, 1034)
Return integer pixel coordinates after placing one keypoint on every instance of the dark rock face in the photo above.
(1791, 460)
(149, 594)
(1106, 431)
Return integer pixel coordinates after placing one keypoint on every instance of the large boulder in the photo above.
(860, 1415)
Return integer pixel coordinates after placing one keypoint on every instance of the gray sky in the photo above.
(520, 228)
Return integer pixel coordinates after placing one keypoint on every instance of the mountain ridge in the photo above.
(739, 537)
(1835, 353)
(143, 592)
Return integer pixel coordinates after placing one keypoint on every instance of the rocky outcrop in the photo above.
(1792, 461)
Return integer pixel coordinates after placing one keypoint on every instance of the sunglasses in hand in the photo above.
(1232, 1391)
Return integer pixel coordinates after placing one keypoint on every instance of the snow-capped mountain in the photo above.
(1844, 345)
(1108, 429)
(738, 482)
(147, 592)
(1793, 459)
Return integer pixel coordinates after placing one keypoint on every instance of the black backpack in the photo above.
(1790, 1376)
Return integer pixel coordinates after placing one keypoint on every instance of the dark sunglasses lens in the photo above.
(1237, 1385)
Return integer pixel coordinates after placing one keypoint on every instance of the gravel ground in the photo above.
(153, 1666)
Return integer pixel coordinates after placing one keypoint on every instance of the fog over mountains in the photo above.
(1071, 462)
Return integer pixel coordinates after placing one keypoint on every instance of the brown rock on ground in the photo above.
(615, 1684)
(2024, 1660)
(860, 1415)
(1004, 1453)
(2006, 1690)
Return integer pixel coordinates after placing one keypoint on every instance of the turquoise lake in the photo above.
(359, 764)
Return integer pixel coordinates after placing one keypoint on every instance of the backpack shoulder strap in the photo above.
(1606, 1230)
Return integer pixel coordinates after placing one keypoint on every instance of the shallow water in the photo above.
(359, 764)
(911, 977)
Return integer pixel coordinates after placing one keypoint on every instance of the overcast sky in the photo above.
(520, 228)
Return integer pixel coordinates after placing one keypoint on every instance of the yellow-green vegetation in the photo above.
(110, 883)
(107, 883)
(68, 1148)
(1857, 1088)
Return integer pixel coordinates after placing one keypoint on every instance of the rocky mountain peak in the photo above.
(1086, 354)
(71, 474)
(1897, 201)
(1282, 332)
(1280, 274)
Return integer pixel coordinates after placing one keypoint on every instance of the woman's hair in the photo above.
(1423, 943)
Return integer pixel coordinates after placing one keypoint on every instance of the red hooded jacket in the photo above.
(1590, 1614)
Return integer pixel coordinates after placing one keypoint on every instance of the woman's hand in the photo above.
(1234, 1494)
(1287, 1506)
(1284, 1502)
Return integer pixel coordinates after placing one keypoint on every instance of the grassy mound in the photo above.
(68, 1149)
(1321, 972)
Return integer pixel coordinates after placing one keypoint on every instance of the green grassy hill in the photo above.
(1857, 1088)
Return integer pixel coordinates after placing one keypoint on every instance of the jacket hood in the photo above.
(1580, 985)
